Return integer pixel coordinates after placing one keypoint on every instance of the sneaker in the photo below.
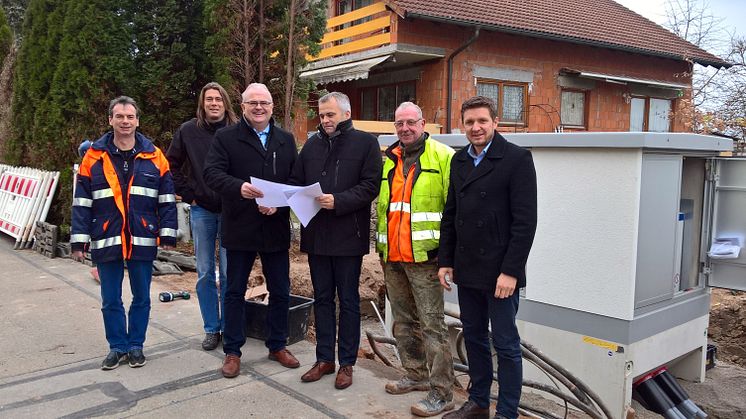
(137, 359)
(405, 385)
(433, 404)
(113, 360)
(211, 341)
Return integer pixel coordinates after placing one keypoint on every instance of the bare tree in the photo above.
(693, 21)
(718, 102)
(290, 67)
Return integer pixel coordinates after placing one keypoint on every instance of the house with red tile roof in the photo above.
(550, 65)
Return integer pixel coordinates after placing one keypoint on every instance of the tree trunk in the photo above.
(261, 41)
(290, 70)
(248, 74)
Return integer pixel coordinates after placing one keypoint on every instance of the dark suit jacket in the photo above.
(347, 164)
(489, 219)
(237, 154)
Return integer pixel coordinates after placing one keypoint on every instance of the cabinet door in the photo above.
(729, 221)
(660, 188)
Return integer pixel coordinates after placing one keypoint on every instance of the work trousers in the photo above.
(205, 233)
(125, 333)
(416, 301)
(479, 310)
(338, 275)
(276, 269)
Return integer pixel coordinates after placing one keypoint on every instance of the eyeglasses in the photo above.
(408, 122)
(255, 103)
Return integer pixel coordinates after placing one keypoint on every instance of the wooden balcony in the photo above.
(362, 29)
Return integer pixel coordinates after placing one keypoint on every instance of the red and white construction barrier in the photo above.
(25, 197)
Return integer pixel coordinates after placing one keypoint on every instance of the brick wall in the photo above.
(607, 106)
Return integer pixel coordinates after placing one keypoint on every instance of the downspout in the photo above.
(450, 76)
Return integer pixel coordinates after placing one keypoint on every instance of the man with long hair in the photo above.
(187, 158)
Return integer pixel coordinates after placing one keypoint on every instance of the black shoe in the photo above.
(113, 360)
(211, 341)
(137, 359)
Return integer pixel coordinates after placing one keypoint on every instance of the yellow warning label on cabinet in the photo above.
(602, 343)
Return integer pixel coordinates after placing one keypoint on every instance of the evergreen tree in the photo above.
(169, 63)
(14, 11)
(35, 66)
(8, 53)
(6, 36)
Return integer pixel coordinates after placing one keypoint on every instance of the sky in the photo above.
(733, 12)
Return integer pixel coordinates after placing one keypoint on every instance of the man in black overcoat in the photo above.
(486, 234)
(256, 147)
(347, 163)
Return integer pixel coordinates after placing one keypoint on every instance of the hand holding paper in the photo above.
(304, 203)
(301, 199)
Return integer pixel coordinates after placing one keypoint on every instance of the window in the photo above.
(510, 97)
(637, 114)
(650, 114)
(572, 111)
(659, 114)
(346, 6)
(379, 103)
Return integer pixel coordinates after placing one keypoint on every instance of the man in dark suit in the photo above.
(486, 234)
(254, 146)
(347, 164)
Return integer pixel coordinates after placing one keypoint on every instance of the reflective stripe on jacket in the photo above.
(114, 228)
(429, 177)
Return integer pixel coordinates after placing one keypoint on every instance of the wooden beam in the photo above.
(373, 25)
(355, 15)
(367, 43)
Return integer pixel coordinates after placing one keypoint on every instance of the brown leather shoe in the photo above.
(285, 358)
(318, 370)
(231, 366)
(469, 410)
(344, 377)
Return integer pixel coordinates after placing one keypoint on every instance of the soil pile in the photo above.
(728, 325)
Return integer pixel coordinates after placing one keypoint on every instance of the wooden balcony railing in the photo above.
(358, 35)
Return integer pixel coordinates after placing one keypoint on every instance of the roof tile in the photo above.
(598, 22)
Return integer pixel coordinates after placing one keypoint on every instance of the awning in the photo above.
(343, 72)
(625, 80)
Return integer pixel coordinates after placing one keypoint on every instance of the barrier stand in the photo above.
(25, 197)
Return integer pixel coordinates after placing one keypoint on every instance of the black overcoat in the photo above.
(489, 220)
(347, 164)
(235, 156)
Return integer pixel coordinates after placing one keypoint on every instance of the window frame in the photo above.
(376, 92)
(646, 112)
(583, 126)
(500, 92)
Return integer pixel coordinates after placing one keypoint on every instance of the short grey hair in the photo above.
(410, 105)
(342, 100)
(255, 86)
(123, 100)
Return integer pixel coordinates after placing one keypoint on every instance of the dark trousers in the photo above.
(276, 269)
(340, 275)
(478, 307)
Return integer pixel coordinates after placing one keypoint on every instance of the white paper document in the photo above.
(304, 203)
(725, 248)
(274, 193)
(301, 199)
